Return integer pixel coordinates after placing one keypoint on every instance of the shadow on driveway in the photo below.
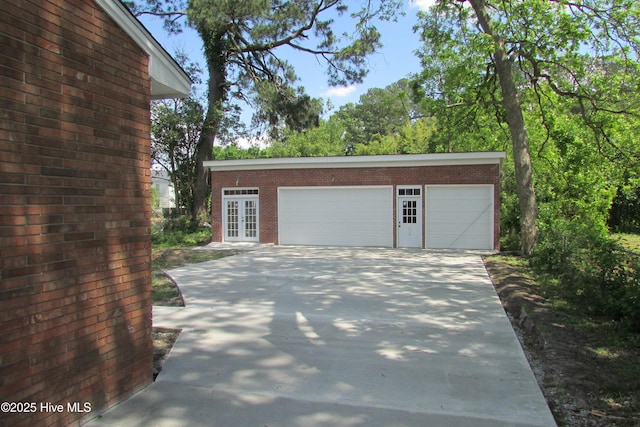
(291, 336)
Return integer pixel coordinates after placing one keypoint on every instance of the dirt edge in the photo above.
(570, 376)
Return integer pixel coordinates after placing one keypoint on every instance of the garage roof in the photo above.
(168, 79)
(402, 160)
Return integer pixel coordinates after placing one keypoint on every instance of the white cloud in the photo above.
(340, 91)
(422, 4)
(260, 142)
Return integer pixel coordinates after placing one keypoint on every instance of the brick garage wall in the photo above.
(75, 283)
(268, 182)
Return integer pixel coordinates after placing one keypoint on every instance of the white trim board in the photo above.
(402, 160)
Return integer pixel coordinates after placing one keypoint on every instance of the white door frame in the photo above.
(240, 215)
(409, 216)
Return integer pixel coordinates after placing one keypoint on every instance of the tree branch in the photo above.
(309, 50)
(321, 7)
(159, 14)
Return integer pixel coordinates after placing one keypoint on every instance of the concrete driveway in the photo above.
(320, 337)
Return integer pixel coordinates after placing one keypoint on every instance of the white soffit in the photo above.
(401, 160)
(168, 79)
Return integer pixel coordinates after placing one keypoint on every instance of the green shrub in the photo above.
(180, 231)
(622, 290)
(593, 272)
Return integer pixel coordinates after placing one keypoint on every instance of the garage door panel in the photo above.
(453, 235)
(454, 217)
(459, 217)
(340, 216)
(459, 241)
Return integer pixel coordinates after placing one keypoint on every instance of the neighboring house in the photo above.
(161, 182)
(76, 81)
(447, 200)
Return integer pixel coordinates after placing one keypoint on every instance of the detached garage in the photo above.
(435, 201)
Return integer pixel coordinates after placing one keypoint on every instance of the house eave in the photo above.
(168, 79)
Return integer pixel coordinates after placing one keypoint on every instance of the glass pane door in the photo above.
(250, 219)
(409, 217)
(241, 219)
(232, 219)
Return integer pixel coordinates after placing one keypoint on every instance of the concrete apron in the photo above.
(311, 337)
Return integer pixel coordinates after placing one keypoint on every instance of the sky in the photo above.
(394, 61)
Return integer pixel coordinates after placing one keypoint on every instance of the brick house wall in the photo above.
(75, 284)
(268, 181)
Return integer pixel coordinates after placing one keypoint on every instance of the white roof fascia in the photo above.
(401, 160)
(168, 79)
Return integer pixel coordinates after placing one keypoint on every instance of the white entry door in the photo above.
(409, 216)
(241, 219)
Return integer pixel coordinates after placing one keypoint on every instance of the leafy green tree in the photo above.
(243, 44)
(484, 54)
(176, 125)
(572, 179)
(412, 138)
(384, 121)
(378, 113)
(175, 129)
(233, 152)
(295, 110)
(325, 140)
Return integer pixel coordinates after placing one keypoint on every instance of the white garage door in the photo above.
(459, 216)
(336, 216)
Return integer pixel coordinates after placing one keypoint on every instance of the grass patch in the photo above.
(163, 290)
(178, 238)
(167, 258)
(630, 242)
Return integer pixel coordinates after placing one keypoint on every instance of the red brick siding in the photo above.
(75, 298)
(268, 182)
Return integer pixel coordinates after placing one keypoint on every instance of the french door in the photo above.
(241, 219)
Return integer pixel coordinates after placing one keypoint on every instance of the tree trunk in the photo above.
(176, 195)
(216, 90)
(519, 138)
(521, 157)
